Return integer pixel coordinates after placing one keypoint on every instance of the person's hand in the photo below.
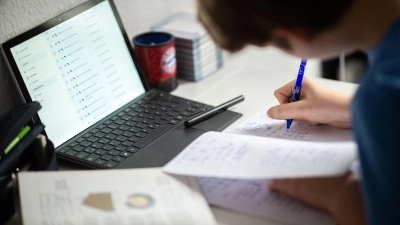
(317, 104)
(339, 196)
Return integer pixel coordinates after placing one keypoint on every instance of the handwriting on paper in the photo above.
(253, 197)
(263, 126)
(240, 156)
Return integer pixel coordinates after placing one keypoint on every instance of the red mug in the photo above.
(156, 54)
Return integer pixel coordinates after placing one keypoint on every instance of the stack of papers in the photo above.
(197, 55)
(233, 168)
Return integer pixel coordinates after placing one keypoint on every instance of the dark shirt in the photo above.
(376, 122)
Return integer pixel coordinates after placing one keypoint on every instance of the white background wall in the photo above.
(17, 16)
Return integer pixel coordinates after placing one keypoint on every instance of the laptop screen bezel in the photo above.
(6, 47)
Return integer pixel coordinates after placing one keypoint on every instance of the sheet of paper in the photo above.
(226, 155)
(140, 197)
(254, 198)
(263, 126)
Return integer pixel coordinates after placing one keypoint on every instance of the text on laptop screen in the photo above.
(80, 71)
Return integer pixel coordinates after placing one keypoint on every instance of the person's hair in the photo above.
(233, 24)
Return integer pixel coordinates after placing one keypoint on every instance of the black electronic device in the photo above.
(97, 106)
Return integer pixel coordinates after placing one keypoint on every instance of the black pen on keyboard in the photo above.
(197, 118)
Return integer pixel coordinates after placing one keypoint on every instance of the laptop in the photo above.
(97, 106)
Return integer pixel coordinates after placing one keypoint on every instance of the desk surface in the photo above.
(254, 73)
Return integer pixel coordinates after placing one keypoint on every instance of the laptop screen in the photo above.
(80, 71)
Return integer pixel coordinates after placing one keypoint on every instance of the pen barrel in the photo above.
(212, 112)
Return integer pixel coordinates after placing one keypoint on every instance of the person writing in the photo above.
(324, 29)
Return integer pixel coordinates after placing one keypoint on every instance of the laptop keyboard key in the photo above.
(126, 117)
(110, 136)
(119, 121)
(108, 122)
(179, 117)
(63, 149)
(130, 123)
(107, 147)
(134, 139)
(89, 150)
(87, 135)
(92, 157)
(93, 139)
(114, 152)
(110, 164)
(114, 142)
(128, 134)
(81, 155)
(165, 118)
(125, 154)
(104, 140)
(100, 152)
(114, 118)
(141, 125)
(113, 126)
(73, 144)
(146, 121)
(160, 122)
(78, 148)
(127, 143)
(147, 130)
(185, 114)
(106, 130)
(101, 126)
(86, 143)
(191, 109)
(153, 126)
(171, 114)
(152, 117)
(123, 127)
(120, 148)
(132, 113)
(79, 140)
(71, 152)
(174, 122)
(100, 161)
(118, 132)
(134, 129)
(94, 131)
(107, 157)
(140, 134)
(118, 159)
(97, 145)
(132, 149)
(121, 138)
(99, 134)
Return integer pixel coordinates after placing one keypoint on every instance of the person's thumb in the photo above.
(293, 110)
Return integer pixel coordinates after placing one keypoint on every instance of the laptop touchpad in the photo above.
(176, 141)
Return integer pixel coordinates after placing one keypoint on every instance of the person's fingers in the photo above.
(300, 189)
(284, 93)
(294, 110)
(311, 123)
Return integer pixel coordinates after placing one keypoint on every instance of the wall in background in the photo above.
(18, 16)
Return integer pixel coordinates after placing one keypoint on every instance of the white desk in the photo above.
(254, 73)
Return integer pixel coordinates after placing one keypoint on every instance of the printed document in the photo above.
(139, 196)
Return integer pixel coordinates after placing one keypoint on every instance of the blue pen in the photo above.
(297, 87)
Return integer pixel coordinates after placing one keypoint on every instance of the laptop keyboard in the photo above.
(124, 134)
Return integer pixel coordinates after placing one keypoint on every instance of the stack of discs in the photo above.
(196, 54)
